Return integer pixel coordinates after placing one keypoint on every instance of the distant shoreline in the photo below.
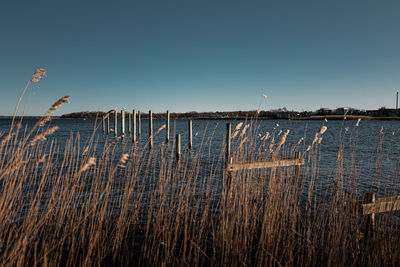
(216, 116)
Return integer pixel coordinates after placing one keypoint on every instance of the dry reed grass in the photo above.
(92, 208)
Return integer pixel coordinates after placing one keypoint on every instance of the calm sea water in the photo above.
(361, 143)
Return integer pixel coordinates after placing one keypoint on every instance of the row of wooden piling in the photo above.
(135, 126)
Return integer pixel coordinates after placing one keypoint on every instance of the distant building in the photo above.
(323, 111)
(384, 112)
(342, 111)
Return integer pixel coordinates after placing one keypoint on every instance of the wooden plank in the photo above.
(382, 205)
(264, 164)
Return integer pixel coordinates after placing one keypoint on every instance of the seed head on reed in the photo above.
(323, 130)
(317, 137)
(85, 150)
(235, 133)
(123, 160)
(6, 139)
(301, 140)
(91, 162)
(271, 145)
(264, 95)
(358, 122)
(161, 128)
(283, 140)
(42, 158)
(39, 73)
(319, 140)
(59, 102)
(242, 141)
(265, 137)
(244, 130)
(326, 120)
(43, 121)
(42, 136)
(381, 130)
(238, 126)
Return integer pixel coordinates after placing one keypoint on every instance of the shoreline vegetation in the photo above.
(85, 203)
(236, 115)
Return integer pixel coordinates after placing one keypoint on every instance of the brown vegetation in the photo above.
(93, 207)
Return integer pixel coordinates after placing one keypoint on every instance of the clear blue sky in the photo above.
(200, 55)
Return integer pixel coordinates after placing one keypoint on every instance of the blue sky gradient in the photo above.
(200, 55)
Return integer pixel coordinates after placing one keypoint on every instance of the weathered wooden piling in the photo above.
(150, 129)
(139, 125)
(134, 125)
(228, 143)
(190, 139)
(297, 167)
(178, 146)
(116, 123)
(167, 130)
(123, 122)
(228, 154)
(369, 218)
(129, 123)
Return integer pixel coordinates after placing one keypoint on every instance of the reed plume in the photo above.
(91, 162)
(58, 103)
(42, 136)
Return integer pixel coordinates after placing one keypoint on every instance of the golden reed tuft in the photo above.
(42, 136)
(91, 162)
(58, 103)
(39, 73)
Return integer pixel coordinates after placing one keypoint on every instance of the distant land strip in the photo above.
(232, 115)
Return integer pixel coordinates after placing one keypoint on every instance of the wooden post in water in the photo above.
(134, 125)
(139, 125)
(190, 144)
(297, 167)
(129, 123)
(178, 146)
(108, 124)
(228, 154)
(123, 122)
(150, 129)
(167, 130)
(369, 219)
(228, 143)
(116, 123)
